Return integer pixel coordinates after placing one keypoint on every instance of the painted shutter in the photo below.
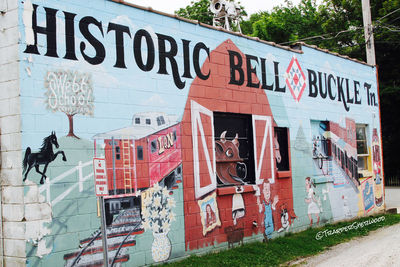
(203, 149)
(263, 148)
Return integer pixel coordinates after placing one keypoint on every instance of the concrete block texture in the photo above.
(14, 247)
(10, 124)
(13, 212)
(14, 230)
(11, 159)
(13, 195)
(14, 262)
(11, 176)
(10, 142)
(9, 89)
(8, 5)
(37, 211)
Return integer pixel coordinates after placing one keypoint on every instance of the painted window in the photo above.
(233, 135)
(137, 120)
(148, 121)
(140, 153)
(362, 147)
(117, 153)
(154, 146)
(281, 148)
(160, 120)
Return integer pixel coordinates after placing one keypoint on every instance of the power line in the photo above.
(322, 36)
(388, 14)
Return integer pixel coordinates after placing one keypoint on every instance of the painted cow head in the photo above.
(230, 167)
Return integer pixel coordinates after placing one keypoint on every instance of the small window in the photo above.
(158, 121)
(174, 133)
(137, 120)
(362, 147)
(148, 121)
(117, 153)
(162, 119)
(281, 148)
(361, 140)
(140, 153)
(154, 146)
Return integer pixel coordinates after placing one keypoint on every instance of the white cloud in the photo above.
(155, 100)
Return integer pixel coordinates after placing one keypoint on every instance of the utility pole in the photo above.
(368, 33)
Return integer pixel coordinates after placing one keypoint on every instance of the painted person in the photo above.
(210, 216)
(311, 201)
(268, 207)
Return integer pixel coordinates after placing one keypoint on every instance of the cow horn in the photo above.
(236, 140)
(222, 137)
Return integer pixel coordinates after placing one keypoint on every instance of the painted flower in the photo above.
(157, 201)
(146, 225)
(146, 213)
(171, 217)
(157, 205)
(171, 202)
(165, 192)
(156, 187)
(156, 228)
(165, 226)
(163, 213)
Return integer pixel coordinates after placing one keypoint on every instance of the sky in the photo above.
(169, 6)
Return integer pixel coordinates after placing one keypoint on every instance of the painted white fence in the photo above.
(79, 168)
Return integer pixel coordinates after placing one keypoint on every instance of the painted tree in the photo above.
(69, 92)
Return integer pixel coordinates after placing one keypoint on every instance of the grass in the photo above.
(288, 248)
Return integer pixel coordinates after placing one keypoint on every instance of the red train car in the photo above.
(143, 154)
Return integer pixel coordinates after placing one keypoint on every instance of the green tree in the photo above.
(199, 10)
(285, 24)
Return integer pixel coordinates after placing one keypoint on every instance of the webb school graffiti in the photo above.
(195, 137)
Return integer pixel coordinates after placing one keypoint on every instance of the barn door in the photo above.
(263, 148)
(203, 149)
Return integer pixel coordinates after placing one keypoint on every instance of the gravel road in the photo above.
(379, 248)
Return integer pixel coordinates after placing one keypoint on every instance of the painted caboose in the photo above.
(143, 154)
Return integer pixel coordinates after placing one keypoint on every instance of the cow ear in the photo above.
(236, 140)
(222, 137)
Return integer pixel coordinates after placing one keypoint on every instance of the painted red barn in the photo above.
(213, 106)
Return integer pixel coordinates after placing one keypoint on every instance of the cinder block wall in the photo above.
(12, 245)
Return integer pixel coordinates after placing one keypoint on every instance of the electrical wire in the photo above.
(388, 14)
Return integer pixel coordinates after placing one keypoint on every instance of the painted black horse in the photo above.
(43, 157)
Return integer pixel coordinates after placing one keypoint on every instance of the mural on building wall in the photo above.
(313, 202)
(43, 157)
(157, 214)
(211, 163)
(231, 170)
(267, 206)
(124, 224)
(377, 168)
(209, 213)
(70, 92)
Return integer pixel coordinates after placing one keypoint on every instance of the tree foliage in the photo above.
(199, 10)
